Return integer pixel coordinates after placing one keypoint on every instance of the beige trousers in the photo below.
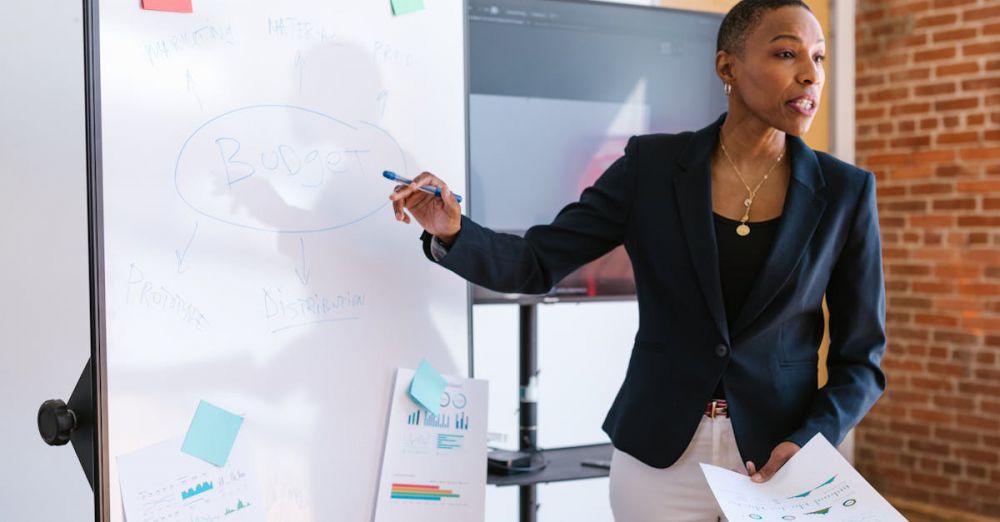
(640, 493)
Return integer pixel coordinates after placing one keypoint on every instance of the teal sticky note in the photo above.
(427, 387)
(402, 7)
(212, 434)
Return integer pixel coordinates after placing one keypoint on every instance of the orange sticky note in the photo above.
(175, 6)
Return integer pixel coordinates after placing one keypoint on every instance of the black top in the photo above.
(741, 259)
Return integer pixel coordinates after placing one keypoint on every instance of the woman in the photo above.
(736, 233)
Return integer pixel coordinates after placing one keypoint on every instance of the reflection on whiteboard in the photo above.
(162, 484)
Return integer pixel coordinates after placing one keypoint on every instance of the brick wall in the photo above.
(928, 125)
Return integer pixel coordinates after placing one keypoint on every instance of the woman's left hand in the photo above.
(782, 452)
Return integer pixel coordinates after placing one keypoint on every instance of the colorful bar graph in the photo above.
(421, 492)
(461, 422)
(414, 418)
(197, 490)
(449, 442)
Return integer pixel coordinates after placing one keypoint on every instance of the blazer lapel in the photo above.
(693, 189)
(802, 211)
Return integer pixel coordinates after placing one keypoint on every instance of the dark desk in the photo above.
(563, 464)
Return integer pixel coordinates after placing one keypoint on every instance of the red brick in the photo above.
(915, 73)
(935, 55)
(991, 29)
(955, 204)
(979, 187)
(979, 221)
(981, 14)
(956, 435)
(965, 33)
(981, 153)
(897, 93)
(957, 270)
(979, 48)
(930, 221)
(935, 89)
(933, 155)
(933, 481)
(933, 20)
(910, 108)
(873, 113)
(929, 287)
(959, 338)
(911, 141)
(979, 456)
(956, 104)
(957, 137)
(958, 68)
(931, 188)
(873, 144)
(982, 83)
(935, 320)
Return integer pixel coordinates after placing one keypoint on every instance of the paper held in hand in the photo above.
(816, 483)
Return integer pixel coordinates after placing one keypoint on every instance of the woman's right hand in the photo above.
(440, 216)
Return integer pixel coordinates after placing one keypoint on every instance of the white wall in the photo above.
(44, 315)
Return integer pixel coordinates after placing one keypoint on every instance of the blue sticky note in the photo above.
(427, 387)
(212, 434)
(402, 7)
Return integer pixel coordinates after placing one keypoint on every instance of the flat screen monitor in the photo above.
(556, 88)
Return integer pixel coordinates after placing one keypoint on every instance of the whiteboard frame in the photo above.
(95, 218)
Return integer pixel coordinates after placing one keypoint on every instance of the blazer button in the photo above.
(721, 350)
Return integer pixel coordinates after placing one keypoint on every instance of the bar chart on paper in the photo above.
(162, 484)
(434, 465)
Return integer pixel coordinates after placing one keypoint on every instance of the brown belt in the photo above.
(717, 408)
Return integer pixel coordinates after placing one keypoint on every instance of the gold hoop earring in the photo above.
(727, 89)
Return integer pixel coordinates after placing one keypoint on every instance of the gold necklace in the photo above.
(743, 229)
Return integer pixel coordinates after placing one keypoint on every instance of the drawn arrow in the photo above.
(181, 255)
(191, 89)
(300, 63)
(304, 273)
(381, 100)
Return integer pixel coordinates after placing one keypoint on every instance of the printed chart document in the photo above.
(434, 466)
(162, 484)
(815, 484)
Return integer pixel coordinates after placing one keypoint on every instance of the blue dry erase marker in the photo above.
(392, 176)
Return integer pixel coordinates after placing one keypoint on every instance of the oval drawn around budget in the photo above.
(286, 169)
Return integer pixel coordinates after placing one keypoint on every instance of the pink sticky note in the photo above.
(175, 6)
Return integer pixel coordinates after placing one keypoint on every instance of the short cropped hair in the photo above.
(743, 18)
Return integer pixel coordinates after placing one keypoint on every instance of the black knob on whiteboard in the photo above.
(55, 422)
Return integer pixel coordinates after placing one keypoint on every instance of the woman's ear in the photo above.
(724, 67)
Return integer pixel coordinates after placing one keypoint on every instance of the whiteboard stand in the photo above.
(561, 464)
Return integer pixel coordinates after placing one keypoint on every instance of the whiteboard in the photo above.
(251, 256)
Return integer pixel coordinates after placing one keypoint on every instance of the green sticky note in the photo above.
(212, 434)
(402, 7)
(427, 387)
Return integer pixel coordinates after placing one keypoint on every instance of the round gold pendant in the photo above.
(743, 230)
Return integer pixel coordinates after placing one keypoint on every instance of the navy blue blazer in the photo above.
(657, 201)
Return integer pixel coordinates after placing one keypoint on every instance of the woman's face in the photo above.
(780, 76)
